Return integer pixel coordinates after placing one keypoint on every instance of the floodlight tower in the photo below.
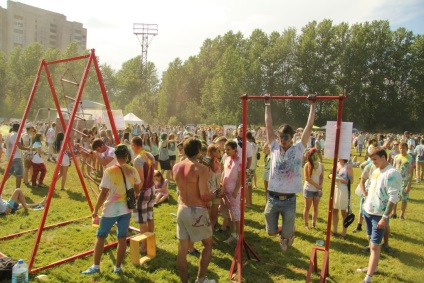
(145, 34)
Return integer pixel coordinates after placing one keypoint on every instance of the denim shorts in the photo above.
(122, 223)
(310, 194)
(287, 208)
(17, 167)
(13, 205)
(371, 221)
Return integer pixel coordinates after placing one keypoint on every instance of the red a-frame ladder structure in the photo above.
(67, 144)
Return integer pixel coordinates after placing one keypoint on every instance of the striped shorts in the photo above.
(144, 209)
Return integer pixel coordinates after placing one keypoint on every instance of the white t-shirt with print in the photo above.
(285, 174)
(10, 141)
(384, 186)
(116, 202)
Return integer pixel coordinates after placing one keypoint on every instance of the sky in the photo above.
(184, 25)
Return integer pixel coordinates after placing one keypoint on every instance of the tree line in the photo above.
(381, 71)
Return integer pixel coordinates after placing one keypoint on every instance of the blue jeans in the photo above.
(122, 223)
(287, 209)
(374, 234)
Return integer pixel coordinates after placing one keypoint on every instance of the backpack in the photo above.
(258, 155)
(163, 153)
(6, 265)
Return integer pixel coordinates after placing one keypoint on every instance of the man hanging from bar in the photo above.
(285, 177)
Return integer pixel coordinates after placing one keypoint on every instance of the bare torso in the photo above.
(191, 178)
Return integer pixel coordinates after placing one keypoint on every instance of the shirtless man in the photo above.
(193, 222)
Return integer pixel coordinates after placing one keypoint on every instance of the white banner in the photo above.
(345, 142)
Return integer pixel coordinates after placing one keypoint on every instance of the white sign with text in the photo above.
(345, 143)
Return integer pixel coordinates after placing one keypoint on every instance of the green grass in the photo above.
(405, 265)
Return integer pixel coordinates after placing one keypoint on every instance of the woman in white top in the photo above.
(312, 189)
(341, 199)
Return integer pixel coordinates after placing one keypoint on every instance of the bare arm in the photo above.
(100, 200)
(306, 135)
(268, 121)
(205, 194)
(141, 174)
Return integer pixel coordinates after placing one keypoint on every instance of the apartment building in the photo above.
(21, 25)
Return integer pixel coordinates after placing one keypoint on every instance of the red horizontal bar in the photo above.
(82, 134)
(111, 245)
(68, 60)
(71, 98)
(45, 228)
(293, 97)
(70, 82)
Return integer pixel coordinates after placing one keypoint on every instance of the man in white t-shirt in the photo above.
(383, 193)
(104, 154)
(16, 167)
(285, 176)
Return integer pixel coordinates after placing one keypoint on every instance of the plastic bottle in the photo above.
(95, 222)
(20, 272)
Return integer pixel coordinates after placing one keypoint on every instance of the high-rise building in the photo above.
(21, 25)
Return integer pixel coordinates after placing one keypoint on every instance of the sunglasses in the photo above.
(285, 137)
(395, 144)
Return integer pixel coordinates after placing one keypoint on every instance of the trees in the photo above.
(380, 71)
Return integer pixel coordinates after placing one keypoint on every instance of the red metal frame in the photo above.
(44, 65)
(238, 253)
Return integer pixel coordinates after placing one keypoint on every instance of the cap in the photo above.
(240, 126)
(121, 150)
(312, 150)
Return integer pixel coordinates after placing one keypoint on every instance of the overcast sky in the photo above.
(185, 24)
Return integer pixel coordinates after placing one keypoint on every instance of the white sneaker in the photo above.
(365, 270)
(283, 244)
(205, 280)
(230, 240)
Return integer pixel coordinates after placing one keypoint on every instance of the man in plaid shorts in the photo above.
(144, 163)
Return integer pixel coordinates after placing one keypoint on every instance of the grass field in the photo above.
(404, 265)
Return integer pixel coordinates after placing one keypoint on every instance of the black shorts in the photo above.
(157, 157)
(172, 157)
(165, 164)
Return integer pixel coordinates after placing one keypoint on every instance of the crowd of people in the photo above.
(205, 166)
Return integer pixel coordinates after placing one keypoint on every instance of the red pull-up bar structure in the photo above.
(238, 253)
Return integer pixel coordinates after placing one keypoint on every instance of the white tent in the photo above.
(130, 118)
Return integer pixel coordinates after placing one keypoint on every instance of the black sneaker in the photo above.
(358, 229)
(194, 252)
(366, 250)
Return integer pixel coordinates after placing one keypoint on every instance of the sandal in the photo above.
(314, 226)
(335, 234)
(306, 227)
(343, 237)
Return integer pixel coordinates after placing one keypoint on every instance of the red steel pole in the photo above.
(51, 189)
(106, 100)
